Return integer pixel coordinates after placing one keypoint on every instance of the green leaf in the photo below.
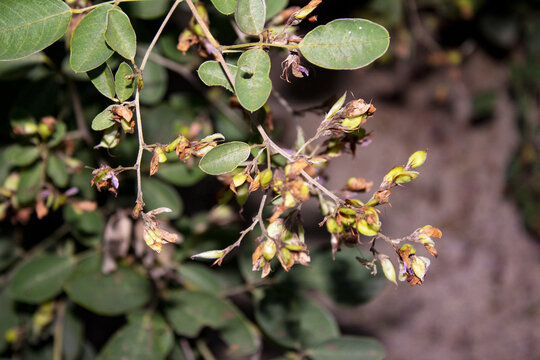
(348, 348)
(148, 9)
(345, 44)
(29, 184)
(274, 7)
(21, 155)
(110, 139)
(31, 25)
(113, 294)
(87, 227)
(307, 323)
(8, 318)
(144, 337)
(88, 46)
(120, 35)
(252, 81)
(40, 279)
(250, 16)
(179, 174)
(72, 335)
(158, 194)
(224, 158)
(189, 311)
(155, 79)
(57, 171)
(124, 86)
(104, 119)
(8, 253)
(103, 80)
(344, 280)
(226, 7)
(212, 74)
(199, 277)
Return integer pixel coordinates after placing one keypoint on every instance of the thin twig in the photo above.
(204, 350)
(311, 180)
(137, 165)
(79, 116)
(186, 348)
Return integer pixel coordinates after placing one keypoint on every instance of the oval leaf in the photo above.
(224, 158)
(123, 84)
(250, 16)
(252, 80)
(226, 7)
(88, 46)
(348, 348)
(29, 184)
(104, 119)
(103, 80)
(40, 279)
(31, 25)
(144, 337)
(274, 7)
(113, 294)
(158, 194)
(179, 174)
(212, 74)
(120, 35)
(148, 9)
(57, 171)
(345, 44)
(307, 323)
(189, 311)
(21, 155)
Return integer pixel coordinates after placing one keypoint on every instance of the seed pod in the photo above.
(333, 227)
(417, 159)
(266, 178)
(269, 249)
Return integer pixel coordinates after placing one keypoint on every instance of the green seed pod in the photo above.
(347, 211)
(285, 255)
(275, 229)
(172, 146)
(239, 179)
(353, 123)
(161, 155)
(364, 228)
(333, 227)
(417, 159)
(392, 174)
(266, 178)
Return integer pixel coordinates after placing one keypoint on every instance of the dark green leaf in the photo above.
(158, 194)
(103, 80)
(189, 312)
(177, 353)
(31, 25)
(226, 7)
(21, 155)
(145, 337)
(8, 317)
(344, 280)
(345, 44)
(212, 74)
(199, 277)
(88, 46)
(252, 81)
(224, 158)
(348, 348)
(104, 119)
(148, 9)
(124, 85)
(72, 338)
(179, 174)
(7, 253)
(120, 35)
(40, 279)
(57, 171)
(294, 322)
(274, 7)
(113, 294)
(250, 16)
(29, 184)
(60, 130)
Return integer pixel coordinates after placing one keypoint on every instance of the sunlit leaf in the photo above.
(88, 46)
(120, 35)
(224, 158)
(345, 44)
(250, 16)
(212, 74)
(103, 80)
(252, 81)
(31, 25)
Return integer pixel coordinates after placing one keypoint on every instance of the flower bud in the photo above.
(211, 254)
(388, 268)
(335, 108)
(416, 159)
(406, 177)
(392, 174)
(266, 178)
(173, 144)
(269, 249)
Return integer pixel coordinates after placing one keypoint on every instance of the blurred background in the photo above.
(462, 80)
